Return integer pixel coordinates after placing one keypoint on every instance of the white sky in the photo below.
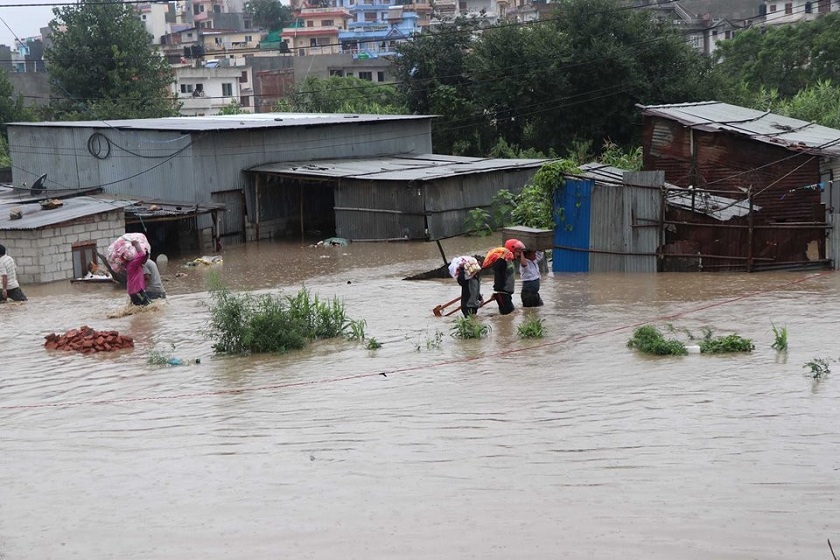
(24, 22)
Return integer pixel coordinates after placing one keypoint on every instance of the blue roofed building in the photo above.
(378, 26)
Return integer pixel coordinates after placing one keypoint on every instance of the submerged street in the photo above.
(572, 446)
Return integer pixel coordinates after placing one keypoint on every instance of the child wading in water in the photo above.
(529, 271)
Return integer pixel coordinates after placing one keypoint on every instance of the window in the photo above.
(246, 23)
(217, 9)
(327, 23)
(187, 88)
(84, 253)
(245, 101)
(366, 76)
(143, 17)
(772, 8)
(189, 36)
(310, 23)
(380, 76)
(219, 41)
(313, 42)
(243, 78)
(370, 16)
(248, 38)
(789, 8)
(227, 90)
(808, 8)
(339, 73)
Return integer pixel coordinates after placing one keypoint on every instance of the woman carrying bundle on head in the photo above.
(466, 271)
(501, 260)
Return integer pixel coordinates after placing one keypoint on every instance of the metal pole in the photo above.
(750, 233)
(660, 265)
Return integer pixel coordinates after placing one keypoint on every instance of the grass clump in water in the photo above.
(649, 340)
(532, 327)
(158, 357)
(247, 324)
(725, 344)
(781, 336)
(469, 327)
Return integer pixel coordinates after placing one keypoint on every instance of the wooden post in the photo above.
(257, 207)
(440, 248)
(750, 233)
(302, 236)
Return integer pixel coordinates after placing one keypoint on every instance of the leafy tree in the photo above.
(233, 108)
(269, 14)
(343, 95)
(11, 105)
(102, 60)
(432, 73)
(11, 110)
(550, 85)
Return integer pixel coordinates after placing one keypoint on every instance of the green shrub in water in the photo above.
(726, 344)
(469, 327)
(819, 367)
(532, 327)
(244, 323)
(649, 340)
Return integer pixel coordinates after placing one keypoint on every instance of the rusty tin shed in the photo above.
(784, 166)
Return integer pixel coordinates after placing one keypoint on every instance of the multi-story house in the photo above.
(316, 30)
(378, 29)
(208, 89)
(154, 17)
(779, 12)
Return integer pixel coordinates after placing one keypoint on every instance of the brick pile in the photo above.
(86, 340)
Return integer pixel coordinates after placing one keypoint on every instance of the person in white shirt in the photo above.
(529, 271)
(154, 285)
(8, 279)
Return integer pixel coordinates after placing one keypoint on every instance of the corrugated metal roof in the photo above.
(34, 217)
(228, 122)
(762, 126)
(424, 167)
(718, 207)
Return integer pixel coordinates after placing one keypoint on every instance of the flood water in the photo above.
(572, 446)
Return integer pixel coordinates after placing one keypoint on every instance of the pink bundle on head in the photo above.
(122, 250)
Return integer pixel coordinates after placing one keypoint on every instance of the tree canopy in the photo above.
(343, 95)
(785, 58)
(576, 76)
(269, 14)
(103, 62)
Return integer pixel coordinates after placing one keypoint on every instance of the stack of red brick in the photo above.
(86, 340)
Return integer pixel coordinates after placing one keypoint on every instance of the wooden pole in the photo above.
(257, 207)
(440, 248)
(300, 191)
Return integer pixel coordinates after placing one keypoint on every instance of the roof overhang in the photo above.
(761, 126)
(423, 167)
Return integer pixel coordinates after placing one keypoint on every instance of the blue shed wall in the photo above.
(572, 219)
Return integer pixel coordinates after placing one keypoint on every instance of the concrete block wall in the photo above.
(46, 254)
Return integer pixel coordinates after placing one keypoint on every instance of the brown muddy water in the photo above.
(569, 447)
